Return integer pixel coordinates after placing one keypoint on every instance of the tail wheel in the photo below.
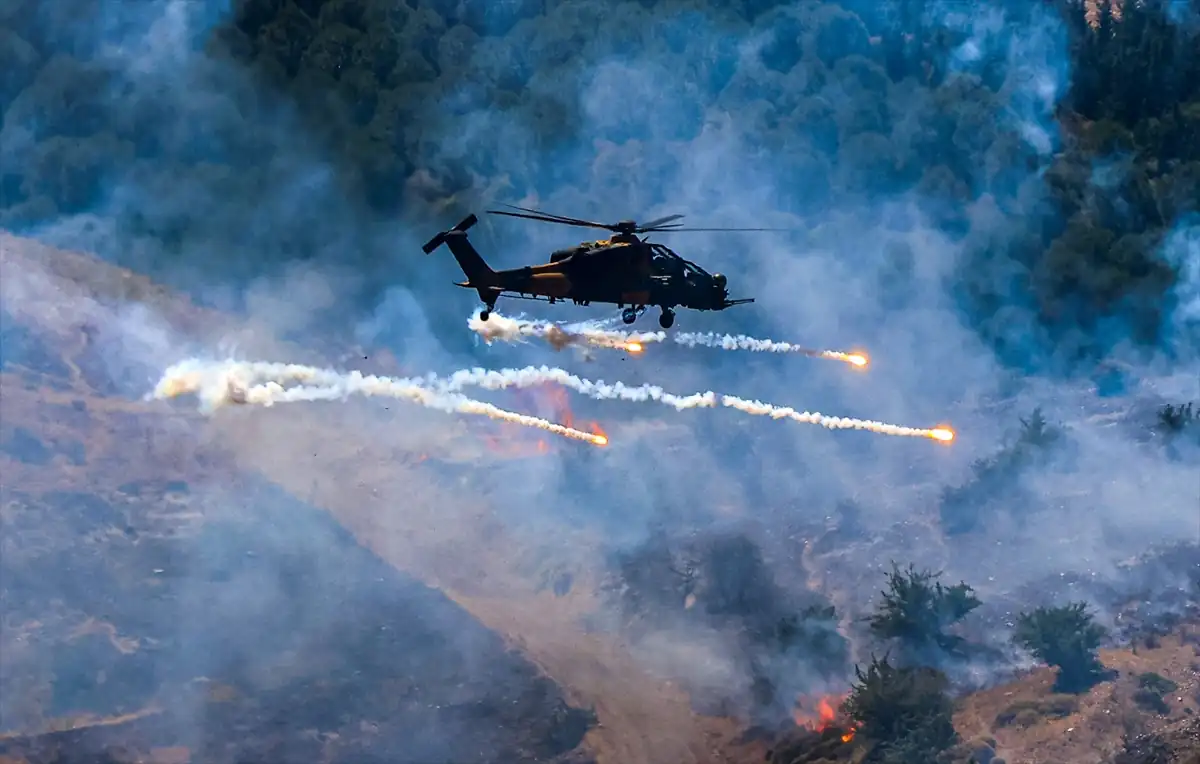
(485, 315)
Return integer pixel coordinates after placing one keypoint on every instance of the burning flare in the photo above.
(587, 334)
(531, 375)
(217, 384)
(854, 359)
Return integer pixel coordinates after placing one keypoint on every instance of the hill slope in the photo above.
(158, 594)
(60, 359)
(165, 565)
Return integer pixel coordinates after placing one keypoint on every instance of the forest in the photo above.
(1070, 129)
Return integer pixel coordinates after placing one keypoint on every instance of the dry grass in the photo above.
(1033, 725)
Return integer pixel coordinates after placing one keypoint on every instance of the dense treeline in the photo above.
(199, 134)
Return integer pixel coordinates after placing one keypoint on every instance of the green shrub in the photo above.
(904, 714)
(916, 610)
(1067, 638)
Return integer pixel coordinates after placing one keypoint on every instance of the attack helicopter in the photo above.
(625, 270)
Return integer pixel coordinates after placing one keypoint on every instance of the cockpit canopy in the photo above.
(664, 257)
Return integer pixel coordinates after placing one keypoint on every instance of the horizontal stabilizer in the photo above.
(434, 243)
(437, 241)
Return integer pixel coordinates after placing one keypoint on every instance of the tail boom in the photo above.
(479, 274)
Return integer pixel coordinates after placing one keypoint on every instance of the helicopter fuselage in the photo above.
(625, 271)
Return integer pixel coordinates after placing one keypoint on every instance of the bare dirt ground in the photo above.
(1030, 724)
(93, 440)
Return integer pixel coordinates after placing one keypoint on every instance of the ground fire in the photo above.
(823, 715)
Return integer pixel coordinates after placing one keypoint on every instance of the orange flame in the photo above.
(633, 347)
(827, 714)
(824, 715)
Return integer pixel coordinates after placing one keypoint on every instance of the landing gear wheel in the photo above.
(667, 319)
(485, 315)
(629, 315)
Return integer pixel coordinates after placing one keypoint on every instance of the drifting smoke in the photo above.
(259, 383)
(219, 384)
(516, 330)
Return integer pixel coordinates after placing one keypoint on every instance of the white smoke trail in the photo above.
(515, 330)
(742, 342)
(532, 376)
(217, 384)
(507, 329)
(499, 327)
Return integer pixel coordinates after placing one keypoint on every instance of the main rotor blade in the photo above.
(544, 219)
(661, 225)
(669, 229)
(537, 212)
(551, 217)
(659, 222)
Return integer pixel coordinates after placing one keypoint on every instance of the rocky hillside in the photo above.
(279, 585)
(163, 600)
